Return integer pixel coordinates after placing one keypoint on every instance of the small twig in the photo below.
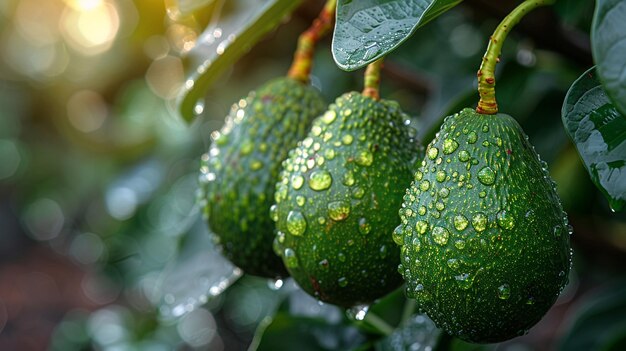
(486, 74)
(372, 80)
(303, 57)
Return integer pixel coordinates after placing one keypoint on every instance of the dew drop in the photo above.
(255, 165)
(504, 291)
(291, 261)
(296, 224)
(297, 181)
(441, 176)
(300, 200)
(459, 244)
(329, 116)
(343, 282)
(364, 158)
(416, 244)
(487, 176)
(338, 210)
(444, 192)
(472, 137)
(358, 192)
(449, 145)
(320, 180)
(440, 235)
(329, 153)
(348, 178)
(460, 222)
(464, 156)
(341, 257)
(398, 235)
(479, 222)
(505, 219)
(274, 213)
(358, 312)
(421, 210)
(421, 226)
(324, 264)
(347, 139)
(424, 185)
(432, 153)
(364, 226)
(453, 263)
(464, 281)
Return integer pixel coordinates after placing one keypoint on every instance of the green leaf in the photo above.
(241, 25)
(283, 331)
(366, 30)
(599, 324)
(599, 133)
(608, 43)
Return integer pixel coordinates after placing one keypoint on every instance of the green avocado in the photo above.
(337, 199)
(240, 171)
(484, 240)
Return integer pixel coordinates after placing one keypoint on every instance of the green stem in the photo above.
(303, 57)
(486, 74)
(409, 309)
(380, 324)
(372, 80)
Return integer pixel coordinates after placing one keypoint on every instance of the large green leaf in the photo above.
(599, 133)
(241, 24)
(369, 29)
(608, 42)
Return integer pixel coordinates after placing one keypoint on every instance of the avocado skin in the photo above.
(483, 281)
(359, 156)
(240, 171)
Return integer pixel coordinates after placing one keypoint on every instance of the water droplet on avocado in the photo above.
(300, 200)
(464, 281)
(424, 185)
(440, 235)
(398, 235)
(459, 244)
(364, 158)
(329, 116)
(441, 176)
(504, 291)
(453, 263)
(460, 222)
(505, 219)
(358, 192)
(343, 282)
(464, 156)
(274, 213)
(487, 176)
(449, 145)
(320, 180)
(416, 244)
(444, 192)
(364, 226)
(348, 178)
(291, 261)
(485, 128)
(296, 224)
(421, 210)
(297, 181)
(432, 153)
(421, 226)
(338, 210)
(329, 153)
(347, 139)
(472, 137)
(479, 222)
(324, 264)
(341, 257)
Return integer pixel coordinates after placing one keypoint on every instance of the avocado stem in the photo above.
(303, 57)
(378, 323)
(371, 84)
(486, 73)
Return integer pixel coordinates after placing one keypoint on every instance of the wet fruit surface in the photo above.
(484, 240)
(337, 199)
(239, 173)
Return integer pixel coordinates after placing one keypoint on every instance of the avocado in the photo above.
(484, 240)
(337, 199)
(239, 173)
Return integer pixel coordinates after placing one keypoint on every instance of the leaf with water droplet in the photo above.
(238, 30)
(368, 30)
(599, 132)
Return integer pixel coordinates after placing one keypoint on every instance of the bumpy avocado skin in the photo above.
(239, 173)
(337, 200)
(484, 240)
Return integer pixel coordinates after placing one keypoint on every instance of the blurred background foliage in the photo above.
(101, 242)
